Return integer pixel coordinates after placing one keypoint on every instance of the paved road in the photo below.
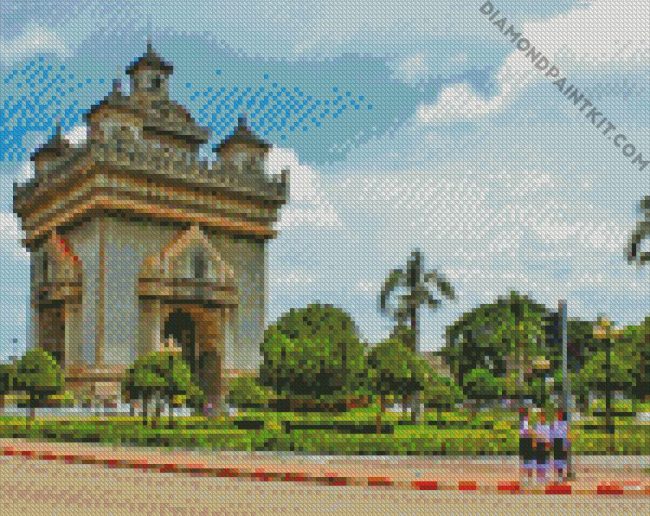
(36, 487)
(486, 470)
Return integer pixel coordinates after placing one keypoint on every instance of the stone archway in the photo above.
(194, 330)
(182, 328)
(52, 330)
(189, 293)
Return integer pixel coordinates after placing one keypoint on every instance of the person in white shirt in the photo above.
(542, 447)
(526, 451)
(560, 439)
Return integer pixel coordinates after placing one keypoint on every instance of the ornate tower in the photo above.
(134, 239)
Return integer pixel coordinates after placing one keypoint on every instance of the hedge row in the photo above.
(415, 440)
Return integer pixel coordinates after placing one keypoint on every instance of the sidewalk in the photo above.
(594, 475)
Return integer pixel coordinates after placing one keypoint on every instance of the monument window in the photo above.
(156, 82)
(199, 265)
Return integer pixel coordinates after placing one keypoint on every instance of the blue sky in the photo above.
(409, 124)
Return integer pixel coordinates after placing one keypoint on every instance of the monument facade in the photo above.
(133, 239)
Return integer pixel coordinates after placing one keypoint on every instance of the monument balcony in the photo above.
(184, 166)
(204, 291)
(59, 291)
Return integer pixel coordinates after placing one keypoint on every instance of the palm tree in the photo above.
(642, 232)
(415, 285)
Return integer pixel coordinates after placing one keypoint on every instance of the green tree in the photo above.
(642, 232)
(580, 341)
(7, 376)
(160, 375)
(39, 375)
(313, 351)
(310, 367)
(316, 321)
(481, 384)
(412, 286)
(441, 392)
(195, 397)
(502, 336)
(641, 343)
(594, 373)
(634, 348)
(395, 370)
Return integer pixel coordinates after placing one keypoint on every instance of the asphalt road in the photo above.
(37, 487)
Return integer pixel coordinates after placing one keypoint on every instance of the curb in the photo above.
(328, 479)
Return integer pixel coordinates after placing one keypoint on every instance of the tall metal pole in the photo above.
(608, 392)
(566, 382)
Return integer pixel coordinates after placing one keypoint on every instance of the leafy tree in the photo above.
(313, 351)
(39, 375)
(481, 384)
(157, 375)
(310, 367)
(414, 285)
(580, 341)
(317, 321)
(513, 389)
(403, 334)
(502, 336)
(642, 232)
(580, 388)
(195, 397)
(395, 370)
(594, 373)
(634, 347)
(441, 392)
(642, 344)
(7, 376)
(247, 392)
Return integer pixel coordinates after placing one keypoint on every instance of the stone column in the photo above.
(100, 305)
(229, 328)
(34, 326)
(73, 333)
(150, 326)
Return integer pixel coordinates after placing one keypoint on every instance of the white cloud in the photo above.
(412, 69)
(77, 135)
(308, 204)
(11, 236)
(291, 278)
(33, 40)
(26, 171)
(459, 102)
(368, 287)
(488, 232)
(603, 36)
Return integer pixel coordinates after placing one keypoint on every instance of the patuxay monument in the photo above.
(134, 239)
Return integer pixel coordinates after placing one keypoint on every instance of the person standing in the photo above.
(526, 451)
(559, 435)
(542, 446)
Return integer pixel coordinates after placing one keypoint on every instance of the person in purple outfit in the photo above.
(526, 450)
(542, 446)
(560, 439)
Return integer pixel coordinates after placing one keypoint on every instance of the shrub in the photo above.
(65, 399)
(246, 392)
(39, 375)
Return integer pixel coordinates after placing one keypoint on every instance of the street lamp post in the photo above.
(541, 365)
